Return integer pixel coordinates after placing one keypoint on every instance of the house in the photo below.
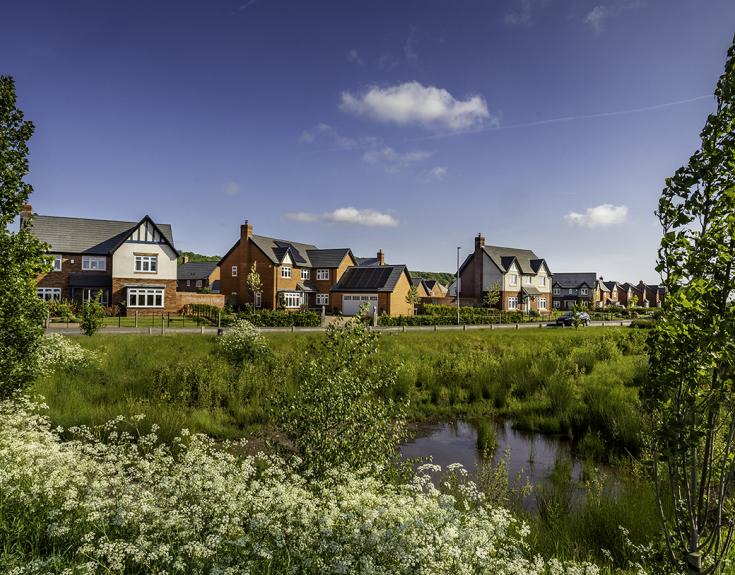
(376, 261)
(615, 294)
(422, 290)
(196, 276)
(129, 264)
(636, 295)
(570, 289)
(436, 288)
(625, 294)
(293, 274)
(602, 294)
(384, 288)
(651, 294)
(522, 278)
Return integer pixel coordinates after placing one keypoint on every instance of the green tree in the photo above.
(341, 412)
(255, 285)
(92, 316)
(412, 298)
(690, 393)
(633, 301)
(491, 298)
(22, 256)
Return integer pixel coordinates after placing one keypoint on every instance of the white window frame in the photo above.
(305, 273)
(583, 291)
(89, 294)
(541, 303)
(528, 280)
(322, 299)
(286, 272)
(513, 302)
(513, 279)
(542, 281)
(292, 300)
(188, 283)
(258, 299)
(233, 271)
(557, 291)
(57, 262)
(557, 304)
(94, 263)
(149, 262)
(571, 290)
(145, 292)
(49, 294)
(322, 274)
(199, 283)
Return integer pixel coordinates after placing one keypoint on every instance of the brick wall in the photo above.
(61, 279)
(170, 299)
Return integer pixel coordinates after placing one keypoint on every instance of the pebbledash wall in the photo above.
(124, 275)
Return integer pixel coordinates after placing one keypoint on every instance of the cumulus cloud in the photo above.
(437, 173)
(392, 161)
(232, 188)
(352, 216)
(599, 216)
(596, 17)
(353, 57)
(414, 103)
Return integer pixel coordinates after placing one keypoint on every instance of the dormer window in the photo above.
(557, 291)
(286, 272)
(583, 291)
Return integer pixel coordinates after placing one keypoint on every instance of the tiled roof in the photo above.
(528, 262)
(87, 236)
(329, 258)
(575, 280)
(276, 249)
(370, 278)
(368, 262)
(195, 270)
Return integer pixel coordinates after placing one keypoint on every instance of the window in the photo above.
(512, 303)
(57, 263)
(542, 281)
(188, 283)
(291, 299)
(286, 272)
(49, 294)
(572, 290)
(98, 263)
(528, 280)
(147, 264)
(322, 299)
(513, 279)
(542, 303)
(322, 274)
(258, 299)
(199, 283)
(556, 304)
(557, 291)
(583, 291)
(234, 271)
(305, 274)
(145, 297)
(90, 294)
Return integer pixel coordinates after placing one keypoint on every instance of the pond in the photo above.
(530, 457)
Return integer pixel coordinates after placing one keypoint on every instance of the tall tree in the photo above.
(22, 256)
(690, 391)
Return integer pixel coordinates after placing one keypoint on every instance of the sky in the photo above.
(407, 126)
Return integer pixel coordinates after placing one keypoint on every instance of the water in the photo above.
(530, 456)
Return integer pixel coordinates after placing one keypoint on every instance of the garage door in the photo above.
(351, 303)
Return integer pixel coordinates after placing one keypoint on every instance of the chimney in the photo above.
(246, 230)
(381, 258)
(479, 242)
(25, 214)
(185, 259)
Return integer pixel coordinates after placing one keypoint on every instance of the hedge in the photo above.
(280, 318)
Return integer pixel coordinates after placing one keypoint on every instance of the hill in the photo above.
(195, 257)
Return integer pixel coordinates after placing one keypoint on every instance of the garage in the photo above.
(351, 303)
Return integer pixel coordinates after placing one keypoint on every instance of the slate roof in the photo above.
(602, 286)
(431, 283)
(329, 258)
(88, 280)
(303, 255)
(87, 236)
(368, 261)
(611, 285)
(370, 278)
(528, 262)
(195, 270)
(575, 280)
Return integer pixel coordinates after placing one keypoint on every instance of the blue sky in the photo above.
(408, 126)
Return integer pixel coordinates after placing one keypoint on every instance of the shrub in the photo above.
(92, 316)
(59, 353)
(282, 318)
(199, 383)
(242, 342)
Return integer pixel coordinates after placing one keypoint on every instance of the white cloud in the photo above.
(437, 173)
(353, 57)
(413, 103)
(392, 161)
(599, 216)
(352, 216)
(326, 133)
(232, 188)
(596, 17)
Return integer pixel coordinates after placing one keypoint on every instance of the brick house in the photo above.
(436, 288)
(625, 293)
(615, 294)
(524, 279)
(293, 274)
(382, 287)
(195, 276)
(422, 290)
(130, 264)
(570, 289)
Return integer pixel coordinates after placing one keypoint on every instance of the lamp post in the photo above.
(456, 284)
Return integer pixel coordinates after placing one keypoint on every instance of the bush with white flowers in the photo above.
(124, 506)
(59, 353)
(243, 341)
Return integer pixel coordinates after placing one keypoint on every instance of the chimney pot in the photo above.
(381, 258)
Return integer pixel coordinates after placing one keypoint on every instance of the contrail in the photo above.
(567, 118)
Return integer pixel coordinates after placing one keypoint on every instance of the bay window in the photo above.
(145, 297)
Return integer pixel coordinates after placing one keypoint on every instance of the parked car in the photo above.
(568, 318)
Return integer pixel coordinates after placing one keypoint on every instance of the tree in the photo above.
(22, 256)
(412, 298)
(633, 301)
(92, 316)
(689, 393)
(491, 298)
(255, 286)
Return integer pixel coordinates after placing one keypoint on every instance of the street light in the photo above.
(456, 284)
